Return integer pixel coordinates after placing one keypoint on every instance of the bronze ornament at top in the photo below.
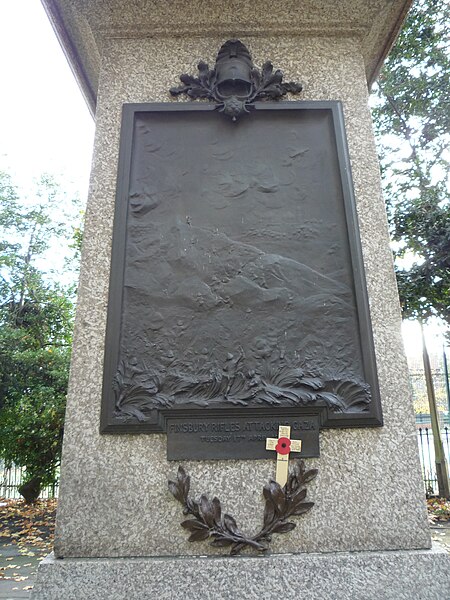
(235, 82)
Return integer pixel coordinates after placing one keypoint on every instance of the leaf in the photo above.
(267, 493)
(269, 512)
(266, 71)
(204, 74)
(291, 86)
(230, 523)
(261, 544)
(202, 67)
(180, 488)
(188, 80)
(277, 495)
(275, 79)
(283, 527)
(175, 491)
(256, 77)
(193, 525)
(221, 543)
(199, 535)
(192, 506)
(206, 511)
(310, 475)
(299, 496)
(290, 484)
(199, 92)
(298, 468)
(186, 486)
(217, 510)
(303, 508)
(237, 548)
(181, 474)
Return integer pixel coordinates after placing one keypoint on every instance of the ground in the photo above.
(26, 536)
(439, 517)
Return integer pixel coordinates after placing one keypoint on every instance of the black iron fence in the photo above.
(427, 457)
(11, 479)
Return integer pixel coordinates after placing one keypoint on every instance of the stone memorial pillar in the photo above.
(118, 529)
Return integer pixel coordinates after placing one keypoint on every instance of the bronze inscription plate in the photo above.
(220, 437)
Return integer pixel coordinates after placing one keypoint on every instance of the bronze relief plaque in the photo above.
(237, 286)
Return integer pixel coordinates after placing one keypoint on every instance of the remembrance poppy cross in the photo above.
(283, 446)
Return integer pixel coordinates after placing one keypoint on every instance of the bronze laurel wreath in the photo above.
(209, 522)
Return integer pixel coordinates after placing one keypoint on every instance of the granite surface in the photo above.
(81, 49)
(83, 25)
(403, 575)
(113, 496)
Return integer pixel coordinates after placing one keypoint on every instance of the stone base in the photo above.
(394, 575)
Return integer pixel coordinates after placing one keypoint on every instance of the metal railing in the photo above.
(427, 457)
(12, 478)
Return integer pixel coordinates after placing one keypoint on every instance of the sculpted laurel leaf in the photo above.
(280, 504)
(199, 535)
(175, 491)
(303, 508)
(230, 523)
(206, 511)
(299, 496)
(237, 548)
(193, 525)
(221, 543)
(269, 512)
(277, 496)
(310, 475)
(283, 527)
(181, 474)
(217, 510)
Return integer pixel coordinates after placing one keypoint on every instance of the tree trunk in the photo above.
(31, 489)
(441, 463)
(447, 382)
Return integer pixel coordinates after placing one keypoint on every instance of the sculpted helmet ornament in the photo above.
(235, 82)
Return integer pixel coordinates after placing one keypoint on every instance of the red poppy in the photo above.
(283, 446)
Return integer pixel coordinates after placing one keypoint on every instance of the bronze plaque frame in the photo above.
(151, 167)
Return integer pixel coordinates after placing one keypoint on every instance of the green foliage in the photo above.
(36, 317)
(412, 122)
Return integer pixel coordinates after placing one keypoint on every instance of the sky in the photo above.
(45, 126)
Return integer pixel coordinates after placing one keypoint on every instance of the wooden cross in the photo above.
(283, 446)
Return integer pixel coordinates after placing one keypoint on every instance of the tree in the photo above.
(35, 335)
(412, 122)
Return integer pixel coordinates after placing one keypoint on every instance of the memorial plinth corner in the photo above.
(118, 532)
